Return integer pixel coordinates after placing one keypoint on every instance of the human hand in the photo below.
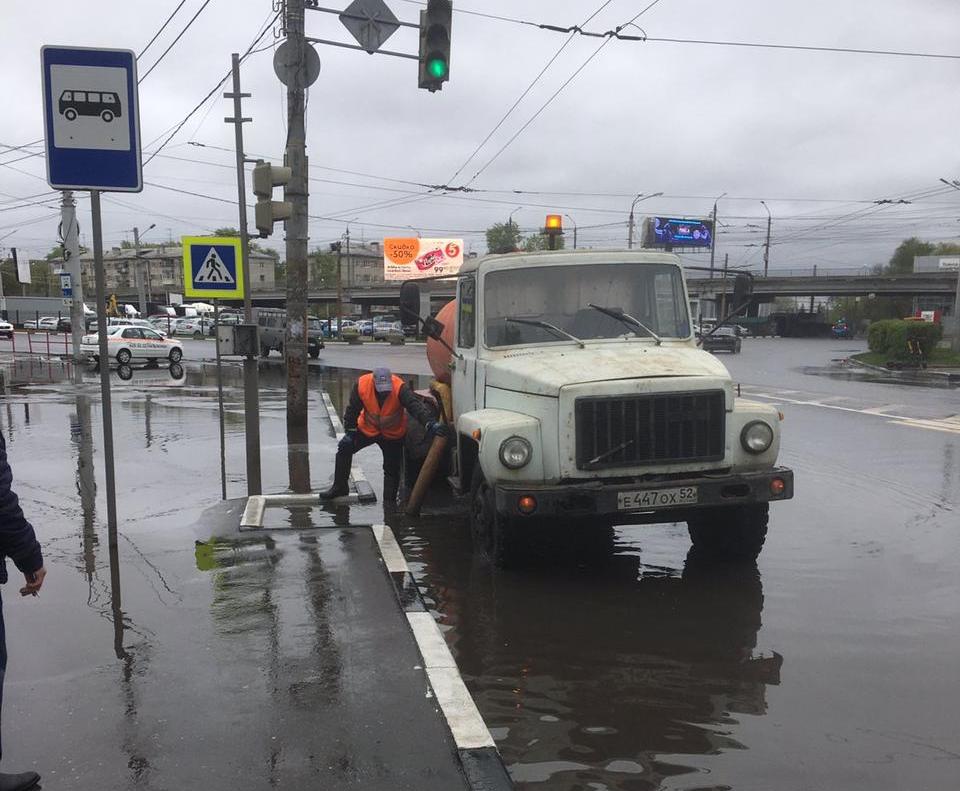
(34, 582)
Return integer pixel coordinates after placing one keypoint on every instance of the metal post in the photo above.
(71, 258)
(713, 238)
(339, 287)
(723, 294)
(766, 247)
(138, 273)
(956, 316)
(223, 441)
(104, 364)
(251, 372)
(295, 193)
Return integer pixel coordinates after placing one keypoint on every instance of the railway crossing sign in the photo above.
(91, 119)
(212, 267)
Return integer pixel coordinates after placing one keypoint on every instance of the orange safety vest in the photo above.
(390, 420)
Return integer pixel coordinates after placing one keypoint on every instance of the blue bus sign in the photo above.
(91, 119)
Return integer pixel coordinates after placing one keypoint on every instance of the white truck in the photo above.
(581, 399)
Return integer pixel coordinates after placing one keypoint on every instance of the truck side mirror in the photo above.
(410, 303)
(433, 328)
(742, 289)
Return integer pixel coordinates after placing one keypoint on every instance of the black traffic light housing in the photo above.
(435, 24)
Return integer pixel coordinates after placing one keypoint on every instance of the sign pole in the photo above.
(251, 372)
(104, 365)
(223, 441)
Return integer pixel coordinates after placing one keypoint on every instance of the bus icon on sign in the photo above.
(105, 104)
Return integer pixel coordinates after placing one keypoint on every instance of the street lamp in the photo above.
(574, 230)
(716, 230)
(766, 247)
(637, 200)
(510, 223)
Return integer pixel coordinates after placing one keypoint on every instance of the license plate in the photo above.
(657, 498)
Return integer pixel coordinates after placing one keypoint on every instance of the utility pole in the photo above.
(630, 222)
(338, 246)
(723, 294)
(70, 231)
(766, 247)
(574, 230)
(295, 193)
(713, 238)
(956, 316)
(251, 373)
(138, 272)
(349, 269)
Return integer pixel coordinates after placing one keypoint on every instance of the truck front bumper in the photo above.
(599, 498)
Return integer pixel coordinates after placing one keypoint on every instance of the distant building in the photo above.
(364, 264)
(936, 263)
(164, 264)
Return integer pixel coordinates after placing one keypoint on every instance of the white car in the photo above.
(6, 329)
(194, 327)
(128, 343)
(47, 323)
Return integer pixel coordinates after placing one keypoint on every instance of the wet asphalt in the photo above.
(831, 663)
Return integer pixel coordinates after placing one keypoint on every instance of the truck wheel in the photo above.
(492, 533)
(315, 353)
(735, 532)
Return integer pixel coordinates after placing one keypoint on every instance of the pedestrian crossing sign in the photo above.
(212, 267)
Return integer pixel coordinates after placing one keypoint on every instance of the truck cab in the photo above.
(580, 397)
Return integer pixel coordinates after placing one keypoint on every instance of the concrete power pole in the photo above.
(71, 259)
(138, 273)
(295, 193)
(956, 316)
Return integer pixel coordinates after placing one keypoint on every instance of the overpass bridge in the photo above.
(766, 289)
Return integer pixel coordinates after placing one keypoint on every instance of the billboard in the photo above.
(411, 259)
(679, 232)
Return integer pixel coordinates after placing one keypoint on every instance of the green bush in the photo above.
(893, 337)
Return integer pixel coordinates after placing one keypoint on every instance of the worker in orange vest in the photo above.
(377, 414)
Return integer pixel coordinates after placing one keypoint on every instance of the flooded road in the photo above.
(831, 663)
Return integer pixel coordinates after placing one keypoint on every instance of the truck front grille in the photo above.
(625, 431)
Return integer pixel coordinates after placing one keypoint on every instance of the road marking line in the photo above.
(880, 410)
(950, 424)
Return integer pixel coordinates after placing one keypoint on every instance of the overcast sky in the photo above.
(818, 136)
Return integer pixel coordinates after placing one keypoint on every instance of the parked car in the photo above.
(386, 328)
(44, 324)
(315, 331)
(723, 339)
(365, 327)
(127, 343)
(6, 330)
(194, 327)
(273, 331)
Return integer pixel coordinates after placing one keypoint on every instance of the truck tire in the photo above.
(493, 533)
(735, 532)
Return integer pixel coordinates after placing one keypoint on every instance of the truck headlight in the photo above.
(756, 437)
(515, 452)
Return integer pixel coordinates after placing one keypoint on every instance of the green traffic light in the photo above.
(437, 68)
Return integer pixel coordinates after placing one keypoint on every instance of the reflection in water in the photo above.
(81, 434)
(606, 666)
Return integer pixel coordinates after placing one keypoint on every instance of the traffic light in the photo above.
(269, 211)
(435, 23)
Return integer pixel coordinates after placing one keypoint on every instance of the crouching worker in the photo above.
(377, 415)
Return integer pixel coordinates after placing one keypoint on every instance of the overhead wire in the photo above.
(162, 28)
(173, 43)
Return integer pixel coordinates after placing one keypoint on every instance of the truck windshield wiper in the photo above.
(626, 318)
(547, 326)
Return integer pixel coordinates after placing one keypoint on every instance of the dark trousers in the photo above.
(3, 661)
(392, 450)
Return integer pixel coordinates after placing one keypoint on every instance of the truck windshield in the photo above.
(561, 295)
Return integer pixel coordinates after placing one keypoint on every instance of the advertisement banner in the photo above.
(410, 259)
(680, 232)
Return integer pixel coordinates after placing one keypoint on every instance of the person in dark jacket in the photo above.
(377, 415)
(19, 543)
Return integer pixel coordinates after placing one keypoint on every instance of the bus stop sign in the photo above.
(91, 119)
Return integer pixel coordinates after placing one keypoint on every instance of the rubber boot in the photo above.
(341, 478)
(391, 485)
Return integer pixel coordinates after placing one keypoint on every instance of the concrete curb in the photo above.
(915, 374)
(479, 757)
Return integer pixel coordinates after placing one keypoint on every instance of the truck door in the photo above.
(464, 375)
